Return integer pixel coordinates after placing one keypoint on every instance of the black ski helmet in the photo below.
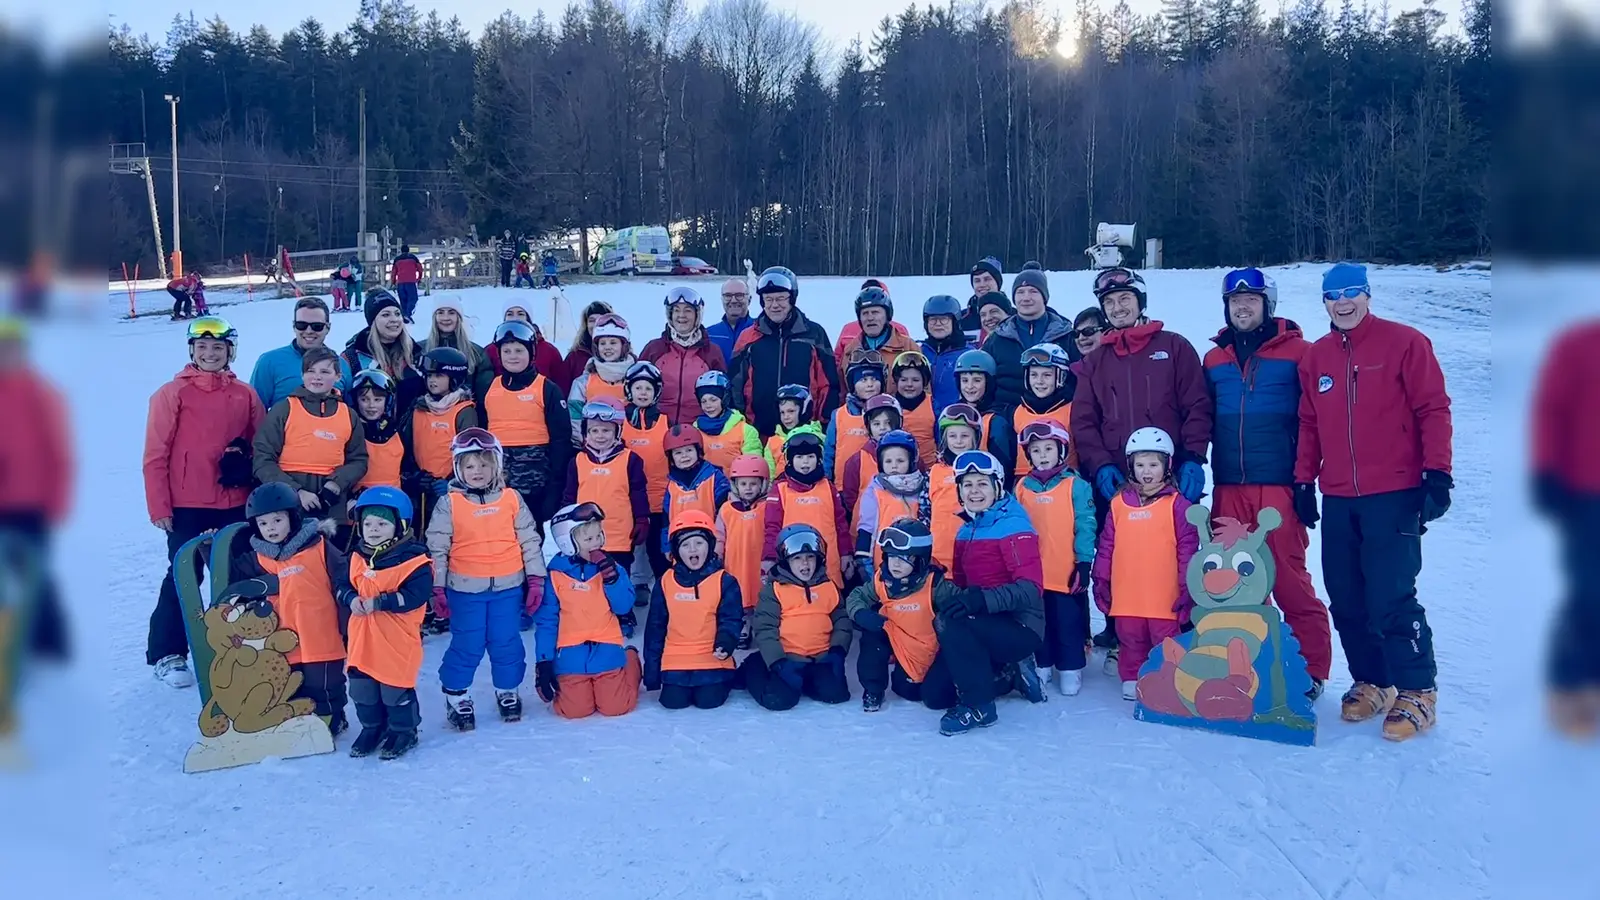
(446, 361)
(274, 496)
(874, 296)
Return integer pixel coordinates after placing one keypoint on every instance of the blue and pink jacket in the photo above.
(997, 551)
(584, 659)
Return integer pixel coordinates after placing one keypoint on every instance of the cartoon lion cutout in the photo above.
(1239, 671)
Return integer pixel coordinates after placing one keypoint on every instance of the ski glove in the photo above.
(544, 680)
(725, 645)
(234, 470)
(1305, 505)
(1436, 487)
(868, 619)
(530, 604)
(1191, 480)
(969, 602)
(1082, 574)
(608, 566)
(835, 658)
(254, 588)
(1107, 480)
(788, 671)
(441, 604)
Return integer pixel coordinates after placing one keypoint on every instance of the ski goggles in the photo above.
(609, 320)
(1251, 280)
(860, 357)
(960, 414)
(1110, 278)
(1051, 357)
(684, 295)
(900, 540)
(600, 411)
(474, 440)
(1349, 293)
(588, 511)
(806, 541)
(642, 371)
(1043, 430)
(978, 462)
(912, 359)
(514, 330)
(213, 327)
(372, 378)
(774, 281)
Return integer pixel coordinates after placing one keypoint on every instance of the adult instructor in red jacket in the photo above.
(683, 353)
(196, 470)
(1375, 432)
(1141, 375)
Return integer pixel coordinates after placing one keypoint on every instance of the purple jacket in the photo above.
(1140, 376)
(1188, 545)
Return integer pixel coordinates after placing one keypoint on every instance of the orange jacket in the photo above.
(192, 420)
(35, 461)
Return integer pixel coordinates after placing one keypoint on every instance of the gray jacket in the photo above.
(441, 531)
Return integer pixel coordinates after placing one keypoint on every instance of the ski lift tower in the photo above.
(131, 159)
(1109, 239)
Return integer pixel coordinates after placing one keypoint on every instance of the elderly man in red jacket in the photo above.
(1375, 432)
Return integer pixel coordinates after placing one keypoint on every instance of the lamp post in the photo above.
(177, 235)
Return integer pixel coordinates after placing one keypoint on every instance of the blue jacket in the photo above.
(942, 356)
(584, 659)
(675, 476)
(724, 335)
(1255, 428)
(730, 619)
(277, 372)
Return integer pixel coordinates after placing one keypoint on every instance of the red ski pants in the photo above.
(1293, 592)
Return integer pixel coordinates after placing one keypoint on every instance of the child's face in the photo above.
(1044, 454)
(940, 327)
(1041, 380)
(711, 404)
(321, 377)
(685, 457)
(609, 349)
(513, 357)
(868, 386)
(477, 469)
(880, 424)
(910, 384)
(899, 566)
(803, 565)
(438, 384)
(642, 393)
(599, 436)
(972, 385)
(376, 530)
(749, 489)
(1149, 469)
(788, 413)
(273, 526)
(371, 404)
(806, 463)
(693, 551)
(896, 461)
(588, 537)
(960, 438)
(977, 492)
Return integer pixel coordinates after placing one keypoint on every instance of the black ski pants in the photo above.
(820, 681)
(700, 696)
(166, 637)
(1371, 556)
(1066, 627)
(505, 272)
(379, 705)
(972, 651)
(323, 683)
(874, 671)
(1575, 634)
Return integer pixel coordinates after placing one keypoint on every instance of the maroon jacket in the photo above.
(547, 361)
(1139, 377)
(1372, 435)
(680, 366)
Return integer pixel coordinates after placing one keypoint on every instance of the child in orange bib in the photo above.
(1143, 556)
(802, 496)
(292, 566)
(741, 531)
(611, 476)
(309, 439)
(911, 376)
(801, 632)
(582, 665)
(882, 416)
(695, 614)
(1061, 507)
(894, 613)
(390, 582)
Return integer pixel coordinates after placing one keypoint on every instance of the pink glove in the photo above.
(535, 594)
(441, 604)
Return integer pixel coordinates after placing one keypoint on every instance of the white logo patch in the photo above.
(1159, 354)
(1324, 384)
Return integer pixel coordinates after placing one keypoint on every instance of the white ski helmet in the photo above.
(1149, 439)
(612, 325)
(570, 517)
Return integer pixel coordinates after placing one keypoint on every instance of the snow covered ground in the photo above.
(1068, 799)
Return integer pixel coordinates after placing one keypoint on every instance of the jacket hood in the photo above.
(1056, 326)
(1287, 329)
(1130, 494)
(301, 539)
(1126, 341)
(322, 404)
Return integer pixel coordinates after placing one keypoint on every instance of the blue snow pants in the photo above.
(489, 620)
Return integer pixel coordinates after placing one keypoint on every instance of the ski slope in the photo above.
(1069, 799)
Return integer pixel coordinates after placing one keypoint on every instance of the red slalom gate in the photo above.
(249, 292)
(132, 311)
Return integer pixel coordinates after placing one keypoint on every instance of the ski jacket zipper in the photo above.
(1351, 371)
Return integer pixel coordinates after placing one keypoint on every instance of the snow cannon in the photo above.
(1109, 240)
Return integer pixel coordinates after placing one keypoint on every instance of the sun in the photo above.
(1067, 45)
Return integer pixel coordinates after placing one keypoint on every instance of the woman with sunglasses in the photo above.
(277, 371)
(1086, 331)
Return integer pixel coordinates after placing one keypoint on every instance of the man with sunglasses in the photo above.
(1254, 380)
(1375, 434)
(735, 317)
(277, 372)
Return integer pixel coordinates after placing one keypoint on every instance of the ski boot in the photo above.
(1107, 638)
(871, 701)
(1316, 690)
(1069, 683)
(366, 743)
(1110, 665)
(439, 626)
(458, 710)
(1575, 713)
(396, 744)
(337, 723)
(1130, 690)
(1025, 681)
(173, 671)
(1364, 701)
(965, 718)
(1411, 714)
(641, 595)
(510, 703)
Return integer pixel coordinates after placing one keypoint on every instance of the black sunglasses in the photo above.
(310, 326)
(1088, 331)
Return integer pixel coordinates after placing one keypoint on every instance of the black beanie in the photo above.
(987, 264)
(377, 302)
(1033, 278)
(995, 298)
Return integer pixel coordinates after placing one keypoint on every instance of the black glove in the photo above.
(1305, 505)
(330, 495)
(789, 671)
(1082, 574)
(969, 602)
(254, 588)
(1436, 487)
(234, 470)
(607, 566)
(1550, 496)
(725, 643)
(544, 680)
(868, 619)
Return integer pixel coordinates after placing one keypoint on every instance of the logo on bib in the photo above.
(1138, 515)
(1324, 384)
(807, 501)
(685, 595)
(325, 435)
(486, 511)
(287, 571)
(908, 607)
(600, 470)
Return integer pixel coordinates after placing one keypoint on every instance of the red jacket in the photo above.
(1373, 434)
(773, 523)
(680, 366)
(192, 419)
(1140, 377)
(1566, 411)
(407, 269)
(35, 460)
(547, 361)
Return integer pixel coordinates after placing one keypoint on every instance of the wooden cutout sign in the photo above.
(242, 669)
(1239, 672)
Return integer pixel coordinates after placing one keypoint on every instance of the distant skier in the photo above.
(524, 271)
(507, 254)
(183, 290)
(405, 273)
(342, 283)
(552, 272)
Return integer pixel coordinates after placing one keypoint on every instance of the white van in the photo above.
(635, 250)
